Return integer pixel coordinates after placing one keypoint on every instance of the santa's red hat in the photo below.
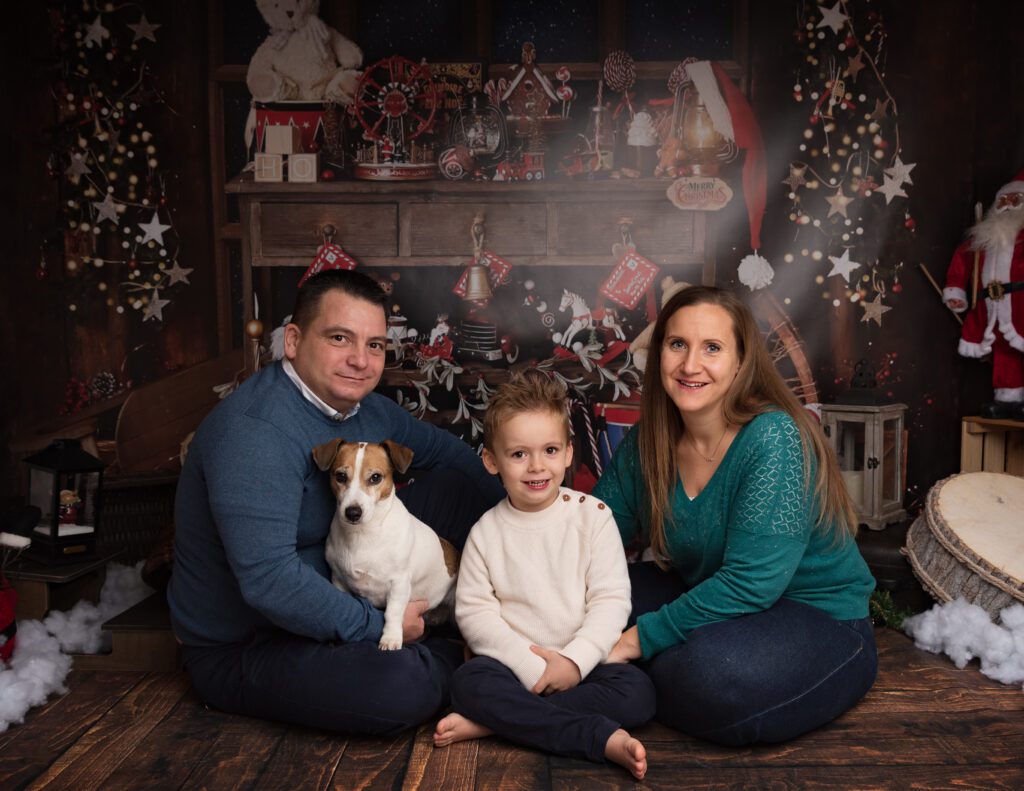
(1017, 185)
(732, 117)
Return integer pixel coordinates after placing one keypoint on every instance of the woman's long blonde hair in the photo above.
(757, 388)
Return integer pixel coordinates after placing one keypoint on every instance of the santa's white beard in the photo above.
(998, 230)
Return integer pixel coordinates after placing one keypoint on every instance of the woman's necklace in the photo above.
(711, 458)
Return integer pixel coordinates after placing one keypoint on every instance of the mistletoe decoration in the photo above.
(115, 234)
(848, 184)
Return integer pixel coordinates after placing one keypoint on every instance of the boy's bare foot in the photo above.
(624, 750)
(456, 728)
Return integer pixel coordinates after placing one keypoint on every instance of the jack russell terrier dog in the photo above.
(376, 548)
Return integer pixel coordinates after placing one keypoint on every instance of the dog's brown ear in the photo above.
(324, 454)
(401, 456)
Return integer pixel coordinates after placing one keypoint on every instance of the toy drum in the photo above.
(969, 541)
(307, 117)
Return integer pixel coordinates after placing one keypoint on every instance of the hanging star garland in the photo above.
(95, 33)
(177, 274)
(839, 203)
(155, 308)
(77, 169)
(833, 17)
(874, 310)
(154, 230)
(842, 265)
(106, 209)
(855, 64)
(115, 235)
(144, 29)
(881, 110)
(849, 165)
(900, 172)
(891, 188)
(796, 176)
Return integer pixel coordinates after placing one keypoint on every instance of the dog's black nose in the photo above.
(353, 513)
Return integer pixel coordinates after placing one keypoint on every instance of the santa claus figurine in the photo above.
(995, 324)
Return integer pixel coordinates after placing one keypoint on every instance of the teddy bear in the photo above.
(303, 58)
(669, 288)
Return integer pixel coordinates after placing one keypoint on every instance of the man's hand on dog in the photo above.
(412, 622)
(560, 674)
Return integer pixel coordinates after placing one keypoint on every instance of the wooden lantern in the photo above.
(868, 440)
(66, 485)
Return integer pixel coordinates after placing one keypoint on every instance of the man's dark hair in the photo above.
(348, 281)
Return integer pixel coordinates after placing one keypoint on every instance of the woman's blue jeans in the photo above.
(766, 677)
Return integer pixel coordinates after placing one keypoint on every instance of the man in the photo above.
(995, 325)
(264, 632)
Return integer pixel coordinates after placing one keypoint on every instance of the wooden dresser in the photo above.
(427, 224)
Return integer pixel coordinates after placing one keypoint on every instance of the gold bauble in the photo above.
(254, 329)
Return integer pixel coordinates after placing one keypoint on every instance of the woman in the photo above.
(758, 630)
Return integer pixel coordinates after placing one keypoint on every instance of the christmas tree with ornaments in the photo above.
(848, 185)
(114, 245)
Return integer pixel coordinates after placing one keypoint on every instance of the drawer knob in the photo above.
(328, 232)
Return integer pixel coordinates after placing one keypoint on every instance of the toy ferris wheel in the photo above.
(396, 101)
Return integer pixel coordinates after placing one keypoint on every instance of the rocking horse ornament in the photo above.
(582, 319)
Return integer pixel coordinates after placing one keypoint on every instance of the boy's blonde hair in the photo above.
(528, 390)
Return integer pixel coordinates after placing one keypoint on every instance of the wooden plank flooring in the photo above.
(925, 725)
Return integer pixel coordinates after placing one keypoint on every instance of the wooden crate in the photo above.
(992, 445)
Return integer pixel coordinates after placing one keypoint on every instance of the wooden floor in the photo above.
(925, 725)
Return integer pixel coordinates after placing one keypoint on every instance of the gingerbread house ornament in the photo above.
(529, 95)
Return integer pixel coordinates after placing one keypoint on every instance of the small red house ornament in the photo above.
(529, 95)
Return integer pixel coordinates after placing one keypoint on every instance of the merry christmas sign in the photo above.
(699, 193)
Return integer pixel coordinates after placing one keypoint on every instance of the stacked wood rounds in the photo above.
(969, 540)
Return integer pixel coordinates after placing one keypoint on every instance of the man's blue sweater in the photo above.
(253, 510)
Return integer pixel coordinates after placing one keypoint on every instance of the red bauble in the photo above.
(896, 288)
(850, 41)
(327, 175)
(313, 147)
(909, 223)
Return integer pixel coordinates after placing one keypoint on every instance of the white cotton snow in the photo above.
(964, 632)
(39, 665)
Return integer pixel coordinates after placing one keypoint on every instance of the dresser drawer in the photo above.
(443, 229)
(291, 233)
(660, 231)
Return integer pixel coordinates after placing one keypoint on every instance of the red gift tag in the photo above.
(497, 267)
(330, 256)
(630, 279)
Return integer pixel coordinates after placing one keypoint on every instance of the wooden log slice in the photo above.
(969, 542)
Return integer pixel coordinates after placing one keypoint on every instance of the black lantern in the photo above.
(65, 484)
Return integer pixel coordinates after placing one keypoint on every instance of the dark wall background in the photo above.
(954, 67)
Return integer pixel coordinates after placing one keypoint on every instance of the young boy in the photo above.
(542, 596)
